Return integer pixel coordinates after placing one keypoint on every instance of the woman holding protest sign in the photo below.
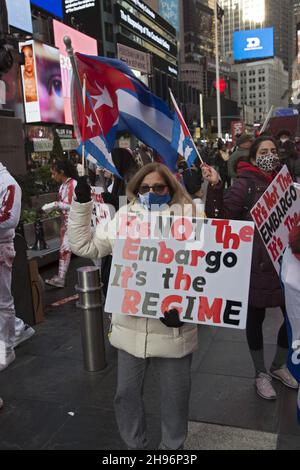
(166, 345)
(255, 174)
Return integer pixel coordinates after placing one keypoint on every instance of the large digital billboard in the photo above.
(42, 83)
(80, 43)
(169, 10)
(19, 14)
(253, 44)
(52, 6)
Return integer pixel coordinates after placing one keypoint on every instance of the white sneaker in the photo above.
(285, 377)
(264, 387)
(23, 335)
(1, 403)
(8, 360)
(55, 281)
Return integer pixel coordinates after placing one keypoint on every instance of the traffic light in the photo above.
(222, 85)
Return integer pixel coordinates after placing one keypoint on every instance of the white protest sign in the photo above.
(100, 212)
(201, 267)
(275, 214)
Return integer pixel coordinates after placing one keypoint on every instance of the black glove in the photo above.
(171, 319)
(83, 190)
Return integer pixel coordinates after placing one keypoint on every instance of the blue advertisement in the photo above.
(19, 14)
(169, 10)
(253, 44)
(52, 6)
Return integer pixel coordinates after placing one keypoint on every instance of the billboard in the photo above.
(80, 43)
(86, 14)
(169, 10)
(253, 44)
(52, 6)
(42, 83)
(19, 14)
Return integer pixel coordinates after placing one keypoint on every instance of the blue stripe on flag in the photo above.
(151, 138)
(93, 150)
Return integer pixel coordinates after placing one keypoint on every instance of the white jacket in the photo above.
(10, 205)
(141, 337)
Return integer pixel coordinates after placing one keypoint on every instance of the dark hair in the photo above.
(66, 167)
(257, 143)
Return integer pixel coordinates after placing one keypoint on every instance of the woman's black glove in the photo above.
(171, 319)
(83, 190)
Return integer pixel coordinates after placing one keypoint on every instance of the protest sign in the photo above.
(275, 215)
(201, 267)
(100, 212)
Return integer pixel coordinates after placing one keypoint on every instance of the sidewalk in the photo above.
(52, 403)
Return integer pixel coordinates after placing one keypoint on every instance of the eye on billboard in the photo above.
(19, 14)
(80, 43)
(42, 83)
(253, 44)
(52, 6)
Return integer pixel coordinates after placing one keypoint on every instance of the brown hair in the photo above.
(177, 191)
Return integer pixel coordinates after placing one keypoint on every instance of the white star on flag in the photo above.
(102, 99)
(90, 122)
(187, 152)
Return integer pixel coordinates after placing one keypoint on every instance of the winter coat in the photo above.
(233, 159)
(140, 337)
(265, 287)
(10, 205)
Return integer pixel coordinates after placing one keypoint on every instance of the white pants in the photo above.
(9, 324)
(7, 308)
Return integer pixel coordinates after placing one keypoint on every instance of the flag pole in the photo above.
(83, 122)
(267, 120)
(177, 107)
(219, 112)
(82, 93)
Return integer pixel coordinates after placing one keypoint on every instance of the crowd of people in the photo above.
(226, 184)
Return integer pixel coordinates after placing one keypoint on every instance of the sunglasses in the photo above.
(157, 188)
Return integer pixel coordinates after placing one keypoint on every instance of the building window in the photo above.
(109, 32)
(107, 6)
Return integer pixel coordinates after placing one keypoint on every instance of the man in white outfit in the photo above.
(12, 330)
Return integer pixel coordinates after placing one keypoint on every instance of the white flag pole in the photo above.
(179, 112)
(83, 143)
(267, 120)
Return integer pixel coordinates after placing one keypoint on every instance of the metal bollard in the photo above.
(90, 301)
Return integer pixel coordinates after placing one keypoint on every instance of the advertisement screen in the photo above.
(85, 13)
(253, 44)
(29, 82)
(52, 6)
(19, 14)
(42, 83)
(80, 43)
(49, 83)
(169, 10)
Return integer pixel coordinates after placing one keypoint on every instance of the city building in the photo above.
(242, 15)
(262, 84)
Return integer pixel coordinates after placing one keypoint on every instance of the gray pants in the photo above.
(174, 376)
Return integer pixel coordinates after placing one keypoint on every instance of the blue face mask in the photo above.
(150, 199)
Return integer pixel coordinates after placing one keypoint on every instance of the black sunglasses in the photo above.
(157, 188)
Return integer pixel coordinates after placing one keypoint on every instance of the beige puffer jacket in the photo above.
(141, 337)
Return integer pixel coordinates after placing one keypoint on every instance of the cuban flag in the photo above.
(290, 276)
(116, 100)
(182, 140)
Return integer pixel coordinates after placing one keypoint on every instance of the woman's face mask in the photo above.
(151, 199)
(268, 163)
